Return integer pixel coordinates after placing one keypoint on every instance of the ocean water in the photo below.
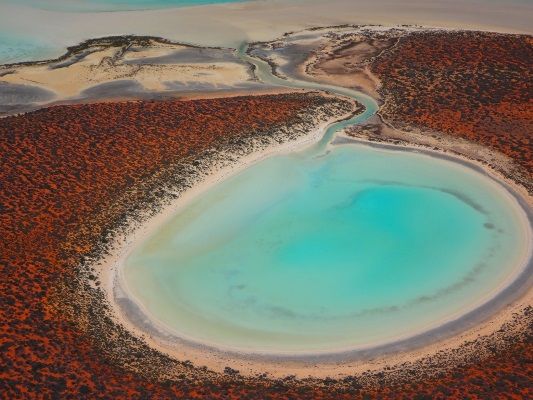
(345, 248)
(19, 46)
(113, 5)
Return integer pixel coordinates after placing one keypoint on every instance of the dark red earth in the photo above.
(473, 85)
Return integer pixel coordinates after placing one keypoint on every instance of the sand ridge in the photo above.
(128, 67)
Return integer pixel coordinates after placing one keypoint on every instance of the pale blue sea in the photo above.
(113, 5)
(19, 42)
(17, 47)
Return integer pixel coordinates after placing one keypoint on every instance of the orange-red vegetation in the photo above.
(65, 172)
(472, 85)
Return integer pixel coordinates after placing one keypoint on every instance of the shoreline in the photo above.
(231, 23)
(107, 42)
(106, 267)
(451, 333)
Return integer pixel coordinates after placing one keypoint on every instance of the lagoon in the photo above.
(319, 251)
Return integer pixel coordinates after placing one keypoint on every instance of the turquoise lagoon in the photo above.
(323, 251)
(337, 247)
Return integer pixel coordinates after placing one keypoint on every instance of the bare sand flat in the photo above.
(114, 69)
(127, 67)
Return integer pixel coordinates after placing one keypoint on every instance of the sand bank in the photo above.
(125, 67)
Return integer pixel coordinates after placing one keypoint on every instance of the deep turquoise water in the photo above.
(312, 252)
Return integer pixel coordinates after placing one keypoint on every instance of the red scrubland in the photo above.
(63, 168)
(472, 85)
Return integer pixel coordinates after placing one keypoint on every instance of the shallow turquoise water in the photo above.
(17, 48)
(312, 252)
(45, 40)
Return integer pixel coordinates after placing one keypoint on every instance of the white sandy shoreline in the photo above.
(338, 365)
(109, 268)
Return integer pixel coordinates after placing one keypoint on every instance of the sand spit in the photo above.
(124, 67)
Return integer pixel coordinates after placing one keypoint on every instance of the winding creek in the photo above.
(336, 247)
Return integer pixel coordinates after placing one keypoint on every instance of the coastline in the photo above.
(484, 319)
(232, 23)
(495, 341)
